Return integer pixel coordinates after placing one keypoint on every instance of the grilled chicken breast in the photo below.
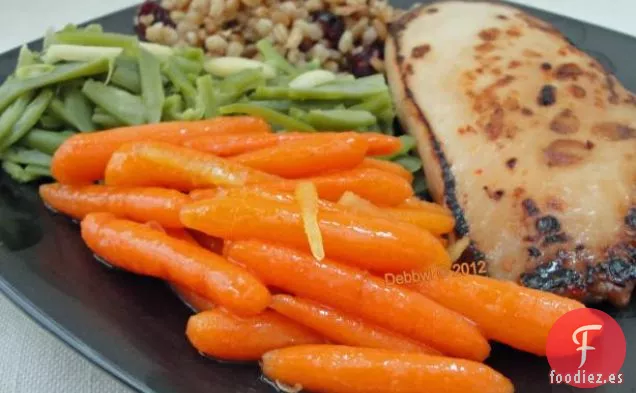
(528, 140)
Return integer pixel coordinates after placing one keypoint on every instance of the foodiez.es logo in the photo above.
(586, 348)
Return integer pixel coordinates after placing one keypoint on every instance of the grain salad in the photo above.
(343, 35)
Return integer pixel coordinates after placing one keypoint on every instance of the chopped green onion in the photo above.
(268, 115)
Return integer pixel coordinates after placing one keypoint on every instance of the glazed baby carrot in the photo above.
(147, 251)
(166, 165)
(416, 203)
(82, 158)
(387, 166)
(206, 241)
(506, 312)
(432, 221)
(358, 293)
(338, 369)
(340, 328)
(193, 300)
(222, 335)
(229, 145)
(137, 204)
(372, 243)
(379, 187)
(301, 159)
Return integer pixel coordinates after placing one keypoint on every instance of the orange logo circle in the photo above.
(586, 348)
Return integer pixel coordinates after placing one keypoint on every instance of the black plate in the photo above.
(134, 327)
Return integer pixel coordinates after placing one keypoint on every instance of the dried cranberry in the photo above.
(361, 61)
(159, 14)
(332, 25)
(306, 45)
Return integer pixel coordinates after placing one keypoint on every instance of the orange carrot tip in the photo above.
(223, 335)
(135, 203)
(143, 250)
(339, 369)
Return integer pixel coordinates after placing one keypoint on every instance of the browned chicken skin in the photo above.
(527, 139)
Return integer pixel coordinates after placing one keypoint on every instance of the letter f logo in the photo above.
(583, 343)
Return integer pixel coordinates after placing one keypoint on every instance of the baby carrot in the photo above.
(416, 203)
(206, 241)
(147, 251)
(82, 158)
(341, 328)
(387, 166)
(370, 242)
(229, 145)
(222, 335)
(432, 221)
(506, 312)
(356, 292)
(137, 204)
(162, 164)
(379, 187)
(301, 159)
(338, 369)
(193, 300)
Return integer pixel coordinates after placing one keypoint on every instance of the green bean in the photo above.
(80, 109)
(187, 65)
(207, 96)
(45, 141)
(375, 104)
(273, 58)
(172, 106)
(26, 57)
(94, 28)
(63, 52)
(268, 115)
(235, 85)
(125, 107)
(20, 155)
(190, 53)
(50, 121)
(14, 88)
(408, 144)
(126, 78)
(29, 118)
(181, 82)
(277, 105)
(92, 38)
(420, 186)
(33, 70)
(271, 93)
(38, 170)
(152, 92)
(340, 119)
(330, 91)
(17, 172)
(106, 121)
(412, 164)
(10, 116)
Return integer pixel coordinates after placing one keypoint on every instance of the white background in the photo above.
(33, 361)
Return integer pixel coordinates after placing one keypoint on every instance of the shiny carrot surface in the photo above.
(82, 158)
(506, 312)
(298, 159)
(365, 241)
(419, 204)
(195, 301)
(137, 204)
(223, 335)
(356, 292)
(229, 145)
(165, 165)
(143, 250)
(387, 166)
(379, 187)
(340, 369)
(342, 328)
